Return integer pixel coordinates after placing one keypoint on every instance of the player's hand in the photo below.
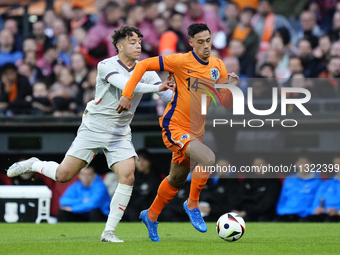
(332, 212)
(167, 84)
(123, 104)
(233, 79)
(319, 210)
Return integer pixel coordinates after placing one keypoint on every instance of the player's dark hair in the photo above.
(122, 33)
(196, 28)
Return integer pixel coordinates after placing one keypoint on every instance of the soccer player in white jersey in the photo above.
(103, 128)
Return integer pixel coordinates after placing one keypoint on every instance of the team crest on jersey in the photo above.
(185, 136)
(215, 74)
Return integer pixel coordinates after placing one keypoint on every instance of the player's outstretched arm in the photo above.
(150, 64)
(119, 81)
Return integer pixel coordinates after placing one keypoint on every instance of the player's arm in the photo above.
(225, 94)
(119, 81)
(164, 95)
(161, 63)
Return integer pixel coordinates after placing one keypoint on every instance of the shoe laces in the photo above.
(198, 215)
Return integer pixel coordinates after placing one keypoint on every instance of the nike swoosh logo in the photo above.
(191, 71)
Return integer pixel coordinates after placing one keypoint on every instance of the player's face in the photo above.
(132, 46)
(201, 43)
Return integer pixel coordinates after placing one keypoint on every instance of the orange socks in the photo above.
(198, 181)
(164, 195)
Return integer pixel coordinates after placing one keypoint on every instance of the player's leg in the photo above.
(166, 192)
(200, 153)
(63, 172)
(81, 152)
(124, 168)
(197, 152)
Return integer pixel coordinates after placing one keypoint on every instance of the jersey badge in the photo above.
(215, 74)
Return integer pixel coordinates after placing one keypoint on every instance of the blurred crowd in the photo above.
(53, 70)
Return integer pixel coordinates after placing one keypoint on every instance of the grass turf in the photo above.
(176, 238)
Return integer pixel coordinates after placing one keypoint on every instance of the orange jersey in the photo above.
(193, 77)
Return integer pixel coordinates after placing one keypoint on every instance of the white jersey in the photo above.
(100, 114)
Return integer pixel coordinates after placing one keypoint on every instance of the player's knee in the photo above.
(208, 160)
(128, 179)
(177, 181)
(63, 176)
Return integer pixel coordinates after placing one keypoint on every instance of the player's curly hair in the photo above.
(196, 28)
(122, 33)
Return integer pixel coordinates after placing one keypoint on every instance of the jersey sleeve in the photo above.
(105, 70)
(169, 63)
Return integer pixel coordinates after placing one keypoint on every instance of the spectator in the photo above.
(49, 17)
(311, 66)
(233, 65)
(326, 205)
(13, 90)
(267, 70)
(78, 65)
(161, 26)
(310, 30)
(335, 49)
(59, 28)
(98, 40)
(66, 14)
(28, 71)
(64, 48)
(89, 86)
(295, 65)
(258, 195)
(63, 92)
(173, 40)
(85, 200)
(298, 192)
(196, 14)
(12, 26)
(135, 15)
(247, 63)
(145, 186)
(80, 19)
(79, 36)
(231, 14)
(244, 32)
(29, 45)
(40, 103)
(148, 28)
(289, 48)
(45, 63)
(335, 32)
(265, 22)
(8, 54)
(276, 55)
(30, 58)
(42, 40)
(322, 52)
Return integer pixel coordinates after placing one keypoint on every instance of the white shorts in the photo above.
(88, 143)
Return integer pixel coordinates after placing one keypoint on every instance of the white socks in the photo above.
(118, 205)
(47, 168)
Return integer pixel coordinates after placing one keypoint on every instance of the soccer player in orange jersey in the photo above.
(182, 122)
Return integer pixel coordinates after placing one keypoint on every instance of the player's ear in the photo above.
(119, 47)
(190, 42)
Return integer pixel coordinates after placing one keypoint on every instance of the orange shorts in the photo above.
(177, 139)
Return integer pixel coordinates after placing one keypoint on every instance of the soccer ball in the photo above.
(230, 227)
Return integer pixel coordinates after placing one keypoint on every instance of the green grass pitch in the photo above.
(176, 238)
